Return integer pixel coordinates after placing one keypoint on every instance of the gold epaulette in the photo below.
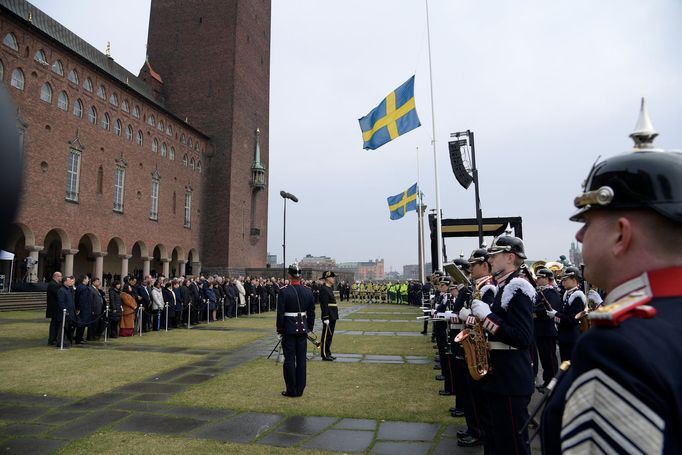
(632, 305)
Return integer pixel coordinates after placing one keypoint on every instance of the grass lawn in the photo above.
(116, 443)
(195, 339)
(378, 307)
(349, 324)
(370, 391)
(24, 331)
(24, 314)
(384, 316)
(80, 372)
(381, 345)
(256, 321)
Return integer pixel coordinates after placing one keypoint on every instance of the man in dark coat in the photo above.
(52, 309)
(83, 302)
(66, 319)
(295, 318)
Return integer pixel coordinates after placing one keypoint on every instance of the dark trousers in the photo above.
(54, 331)
(547, 356)
(113, 328)
(327, 335)
(445, 361)
(80, 331)
(566, 350)
(507, 415)
(460, 374)
(294, 367)
(475, 413)
(68, 333)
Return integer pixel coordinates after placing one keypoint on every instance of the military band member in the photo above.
(545, 327)
(330, 313)
(427, 305)
(440, 333)
(623, 391)
(470, 402)
(295, 318)
(573, 302)
(506, 391)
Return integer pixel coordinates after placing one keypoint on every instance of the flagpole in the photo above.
(439, 232)
(420, 224)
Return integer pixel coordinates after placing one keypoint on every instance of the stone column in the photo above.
(182, 267)
(68, 261)
(33, 252)
(166, 266)
(145, 266)
(196, 268)
(98, 267)
(124, 263)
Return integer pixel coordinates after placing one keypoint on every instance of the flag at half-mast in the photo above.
(394, 116)
(403, 202)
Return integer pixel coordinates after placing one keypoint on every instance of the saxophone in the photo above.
(475, 345)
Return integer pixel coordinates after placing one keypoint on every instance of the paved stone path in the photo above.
(43, 424)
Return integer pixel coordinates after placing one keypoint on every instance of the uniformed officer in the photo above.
(469, 400)
(330, 314)
(545, 327)
(295, 318)
(573, 302)
(441, 336)
(427, 304)
(623, 390)
(506, 391)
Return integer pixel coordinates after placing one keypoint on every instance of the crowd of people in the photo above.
(84, 309)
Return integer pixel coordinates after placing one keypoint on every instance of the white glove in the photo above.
(447, 314)
(279, 336)
(480, 309)
(551, 313)
(325, 321)
(464, 314)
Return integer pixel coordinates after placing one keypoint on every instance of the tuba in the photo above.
(472, 337)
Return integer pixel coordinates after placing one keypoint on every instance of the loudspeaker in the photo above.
(461, 174)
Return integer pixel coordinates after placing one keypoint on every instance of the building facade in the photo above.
(121, 173)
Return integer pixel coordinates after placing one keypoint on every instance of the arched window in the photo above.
(100, 179)
(169, 130)
(73, 76)
(191, 163)
(184, 160)
(58, 68)
(63, 101)
(87, 84)
(174, 202)
(183, 139)
(78, 109)
(171, 156)
(136, 111)
(18, 79)
(118, 126)
(101, 92)
(92, 115)
(199, 166)
(113, 99)
(155, 146)
(189, 142)
(125, 107)
(11, 41)
(160, 126)
(40, 57)
(46, 93)
(129, 133)
(2, 72)
(164, 149)
(106, 121)
(73, 171)
(151, 120)
(139, 137)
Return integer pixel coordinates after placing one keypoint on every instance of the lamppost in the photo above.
(285, 196)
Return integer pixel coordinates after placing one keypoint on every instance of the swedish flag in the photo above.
(403, 202)
(394, 116)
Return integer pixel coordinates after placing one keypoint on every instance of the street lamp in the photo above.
(285, 196)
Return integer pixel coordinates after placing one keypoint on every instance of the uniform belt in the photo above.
(458, 325)
(499, 346)
(293, 315)
(332, 304)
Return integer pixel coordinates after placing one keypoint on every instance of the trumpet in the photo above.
(313, 339)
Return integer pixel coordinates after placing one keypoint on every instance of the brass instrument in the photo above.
(532, 282)
(472, 337)
(556, 267)
(537, 265)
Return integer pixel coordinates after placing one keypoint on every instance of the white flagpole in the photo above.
(439, 233)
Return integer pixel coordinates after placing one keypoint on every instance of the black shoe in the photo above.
(328, 359)
(440, 377)
(333, 357)
(436, 367)
(457, 413)
(445, 393)
(423, 333)
(51, 343)
(462, 434)
(453, 410)
(287, 394)
(469, 441)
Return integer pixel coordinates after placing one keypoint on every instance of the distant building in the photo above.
(317, 262)
(370, 270)
(411, 271)
(574, 254)
(271, 260)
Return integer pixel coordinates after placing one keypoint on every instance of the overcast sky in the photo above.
(545, 86)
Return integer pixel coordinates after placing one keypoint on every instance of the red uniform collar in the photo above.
(655, 283)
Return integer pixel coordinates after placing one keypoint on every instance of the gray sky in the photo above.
(545, 86)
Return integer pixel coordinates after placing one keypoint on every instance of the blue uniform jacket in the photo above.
(295, 298)
(544, 325)
(66, 301)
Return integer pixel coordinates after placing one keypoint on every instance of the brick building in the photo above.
(165, 171)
